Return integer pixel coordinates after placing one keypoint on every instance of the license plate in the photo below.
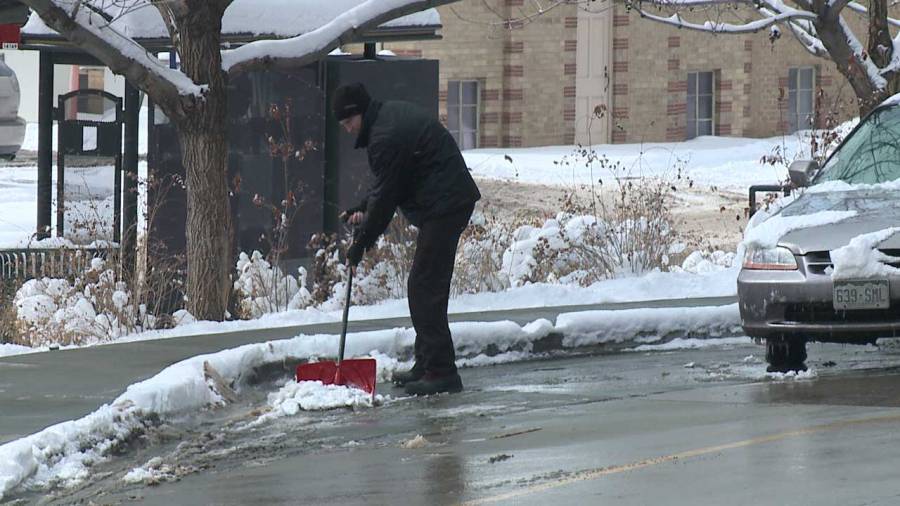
(861, 295)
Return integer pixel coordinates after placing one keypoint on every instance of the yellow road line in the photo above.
(592, 474)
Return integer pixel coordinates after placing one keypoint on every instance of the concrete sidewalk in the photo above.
(41, 389)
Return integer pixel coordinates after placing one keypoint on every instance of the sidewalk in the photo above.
(41, 389)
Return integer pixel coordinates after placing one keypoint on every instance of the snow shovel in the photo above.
(356, 372)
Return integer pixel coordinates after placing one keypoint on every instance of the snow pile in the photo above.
(263, 288)
(706, 262)
(810, 373)
(64, 453)
(151, 473)
(415, 443)
(95, 306)
(315, 396)
(861, 258)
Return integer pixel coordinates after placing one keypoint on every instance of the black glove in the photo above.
(354, 254)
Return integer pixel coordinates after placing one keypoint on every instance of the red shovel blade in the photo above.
(356, 372)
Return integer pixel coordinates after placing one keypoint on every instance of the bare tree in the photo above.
(872, 69)
(194, 98)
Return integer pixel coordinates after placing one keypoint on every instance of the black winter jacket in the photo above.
(417, 167)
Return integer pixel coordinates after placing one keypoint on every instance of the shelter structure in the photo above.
(328, 177)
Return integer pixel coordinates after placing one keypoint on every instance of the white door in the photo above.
(593, 79)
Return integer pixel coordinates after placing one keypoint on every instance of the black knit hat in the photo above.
(350, 100)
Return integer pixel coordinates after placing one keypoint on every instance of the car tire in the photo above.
(785, 355)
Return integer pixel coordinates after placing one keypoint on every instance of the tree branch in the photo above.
(861, 9)
(715, 27)
(309, 47)
(171, 89)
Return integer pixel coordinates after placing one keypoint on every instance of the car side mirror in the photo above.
(801, 171)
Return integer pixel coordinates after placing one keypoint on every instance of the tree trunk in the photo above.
(208, 222)
(204, 147)
(880, 44)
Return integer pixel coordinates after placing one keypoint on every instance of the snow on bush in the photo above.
(700, 262)
(263, 288)
(582, 249)
(479, 257)
(96, 306)
(385, 268)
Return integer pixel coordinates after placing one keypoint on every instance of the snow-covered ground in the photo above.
(64, 453)
(707, 280)
(728, 163)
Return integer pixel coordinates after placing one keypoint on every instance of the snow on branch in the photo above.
(861, 9)
(308, 47)
(872, 71)
(718, 27)
(92, 31)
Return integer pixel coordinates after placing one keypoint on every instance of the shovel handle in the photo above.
(346, 313)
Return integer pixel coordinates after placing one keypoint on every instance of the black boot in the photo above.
(401, 378)
(432, 384)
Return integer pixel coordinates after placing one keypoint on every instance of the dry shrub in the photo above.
(94, 306)
(384, 270)
(263, 288)
(622, 228)
(9, 328)
(479, 257)
(327, 269)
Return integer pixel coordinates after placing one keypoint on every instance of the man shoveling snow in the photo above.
(418, 168)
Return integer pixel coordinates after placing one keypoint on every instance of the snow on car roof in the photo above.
(258, 18)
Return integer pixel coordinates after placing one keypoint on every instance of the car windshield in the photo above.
(871, 155)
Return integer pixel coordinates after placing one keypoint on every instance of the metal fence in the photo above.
(24, 264)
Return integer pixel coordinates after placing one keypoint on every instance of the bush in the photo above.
(586, 243)
(479, 257)
(263, 288)
(9, 328)
(96, 306)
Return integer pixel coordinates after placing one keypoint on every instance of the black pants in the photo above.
(429, 290)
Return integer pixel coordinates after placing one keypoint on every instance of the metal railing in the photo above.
(28, 263)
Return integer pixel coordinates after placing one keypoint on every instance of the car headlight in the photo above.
(770, 259)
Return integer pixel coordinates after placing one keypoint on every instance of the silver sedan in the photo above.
(786, 290)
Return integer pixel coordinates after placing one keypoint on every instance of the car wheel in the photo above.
(785, 355)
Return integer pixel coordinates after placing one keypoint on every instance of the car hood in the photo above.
(876, 209)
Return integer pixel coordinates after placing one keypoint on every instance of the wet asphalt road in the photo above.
(628, 428)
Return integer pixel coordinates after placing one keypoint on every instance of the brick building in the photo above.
(602, 74)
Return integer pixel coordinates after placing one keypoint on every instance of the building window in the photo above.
(462, 112)
(801, 111)
(700, 100)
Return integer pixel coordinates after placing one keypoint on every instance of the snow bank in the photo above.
(646, 325)
(693, 279)
(64, 453)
